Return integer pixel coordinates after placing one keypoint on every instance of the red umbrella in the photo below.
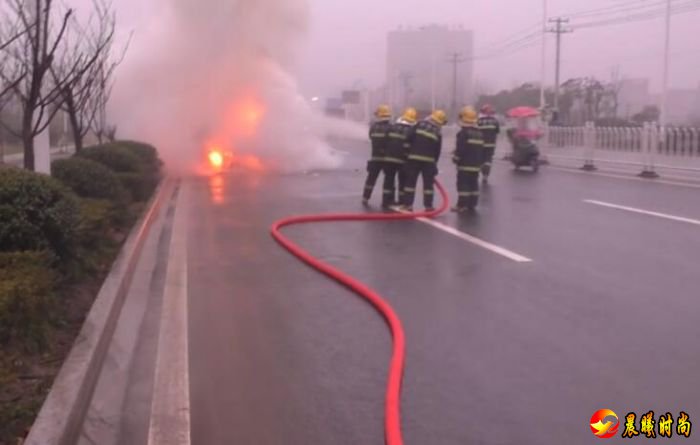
(519, 112)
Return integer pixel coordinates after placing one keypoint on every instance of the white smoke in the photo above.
(208, 70)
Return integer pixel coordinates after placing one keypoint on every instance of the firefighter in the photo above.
(423, 158)
(468, 157)
(490, 128)
(379, 135)
(401, 137)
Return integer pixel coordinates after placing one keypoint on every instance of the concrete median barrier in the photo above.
(61, 417)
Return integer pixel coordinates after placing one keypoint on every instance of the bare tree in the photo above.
(30, 57)
(80, 69)
(9, 33)
(98, 103)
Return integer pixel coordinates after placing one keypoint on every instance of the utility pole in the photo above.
(663, 120)
(543, 56)
(558, 30)
(455, 59)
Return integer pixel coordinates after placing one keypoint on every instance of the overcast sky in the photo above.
(347, 40)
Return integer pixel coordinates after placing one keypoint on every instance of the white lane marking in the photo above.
(471, 239)
(644, 212)
(170, 408)
(476, 241)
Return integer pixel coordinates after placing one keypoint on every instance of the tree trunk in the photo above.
(28, 140)
(75, 124)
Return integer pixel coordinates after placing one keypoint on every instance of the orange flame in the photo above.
(216, 158)
(240, 121)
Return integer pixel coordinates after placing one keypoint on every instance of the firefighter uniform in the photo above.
(379, 136)
(423, 158)
(401, 137)
(490, 128)
(468, 157)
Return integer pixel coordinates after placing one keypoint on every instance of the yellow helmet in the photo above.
(468, 115)
(439, 116)
(410, 115)
(383, 112)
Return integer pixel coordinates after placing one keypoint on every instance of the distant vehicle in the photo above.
(524, 130)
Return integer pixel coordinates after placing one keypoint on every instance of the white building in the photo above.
(430, 66)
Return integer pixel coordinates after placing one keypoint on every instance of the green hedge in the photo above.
(136, 165)
(37, 212)
(47, 232)
(89, 179)
(117, 158)
(96, 220)
(147, 153)
(26, 285)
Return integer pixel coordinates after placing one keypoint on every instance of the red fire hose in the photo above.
(392, 421)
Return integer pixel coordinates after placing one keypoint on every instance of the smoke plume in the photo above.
(217, 73)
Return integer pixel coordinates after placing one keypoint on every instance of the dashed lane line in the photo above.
(644, 212)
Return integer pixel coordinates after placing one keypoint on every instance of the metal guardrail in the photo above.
(677, 147)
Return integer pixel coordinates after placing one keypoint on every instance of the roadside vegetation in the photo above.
(58, 238)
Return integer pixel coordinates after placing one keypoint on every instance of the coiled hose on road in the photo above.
(392, 420)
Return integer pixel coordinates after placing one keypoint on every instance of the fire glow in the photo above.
(239, 127)
(244, 118)
(216, 158)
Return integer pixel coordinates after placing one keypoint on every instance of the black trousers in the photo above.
(392, 170)
(489, 152)
(468, 188)
(374, 168)
(414, 169)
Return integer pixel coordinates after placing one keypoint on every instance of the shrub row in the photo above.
(36, 213)
(27, 281)
(51, 227)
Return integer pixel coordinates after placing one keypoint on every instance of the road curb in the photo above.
(62, 414)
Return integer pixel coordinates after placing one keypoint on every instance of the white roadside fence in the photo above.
(647, 148)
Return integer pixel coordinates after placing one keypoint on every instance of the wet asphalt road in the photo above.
(498, 352)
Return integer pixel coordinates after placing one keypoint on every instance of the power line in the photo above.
(529, 36)
(535, 30)
(684, 8)
(524, 33)
(626, 11)
(529, 43)
(625, 6)
(509, 47)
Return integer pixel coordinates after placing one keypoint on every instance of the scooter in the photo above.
(525, 154)
(523, 133)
